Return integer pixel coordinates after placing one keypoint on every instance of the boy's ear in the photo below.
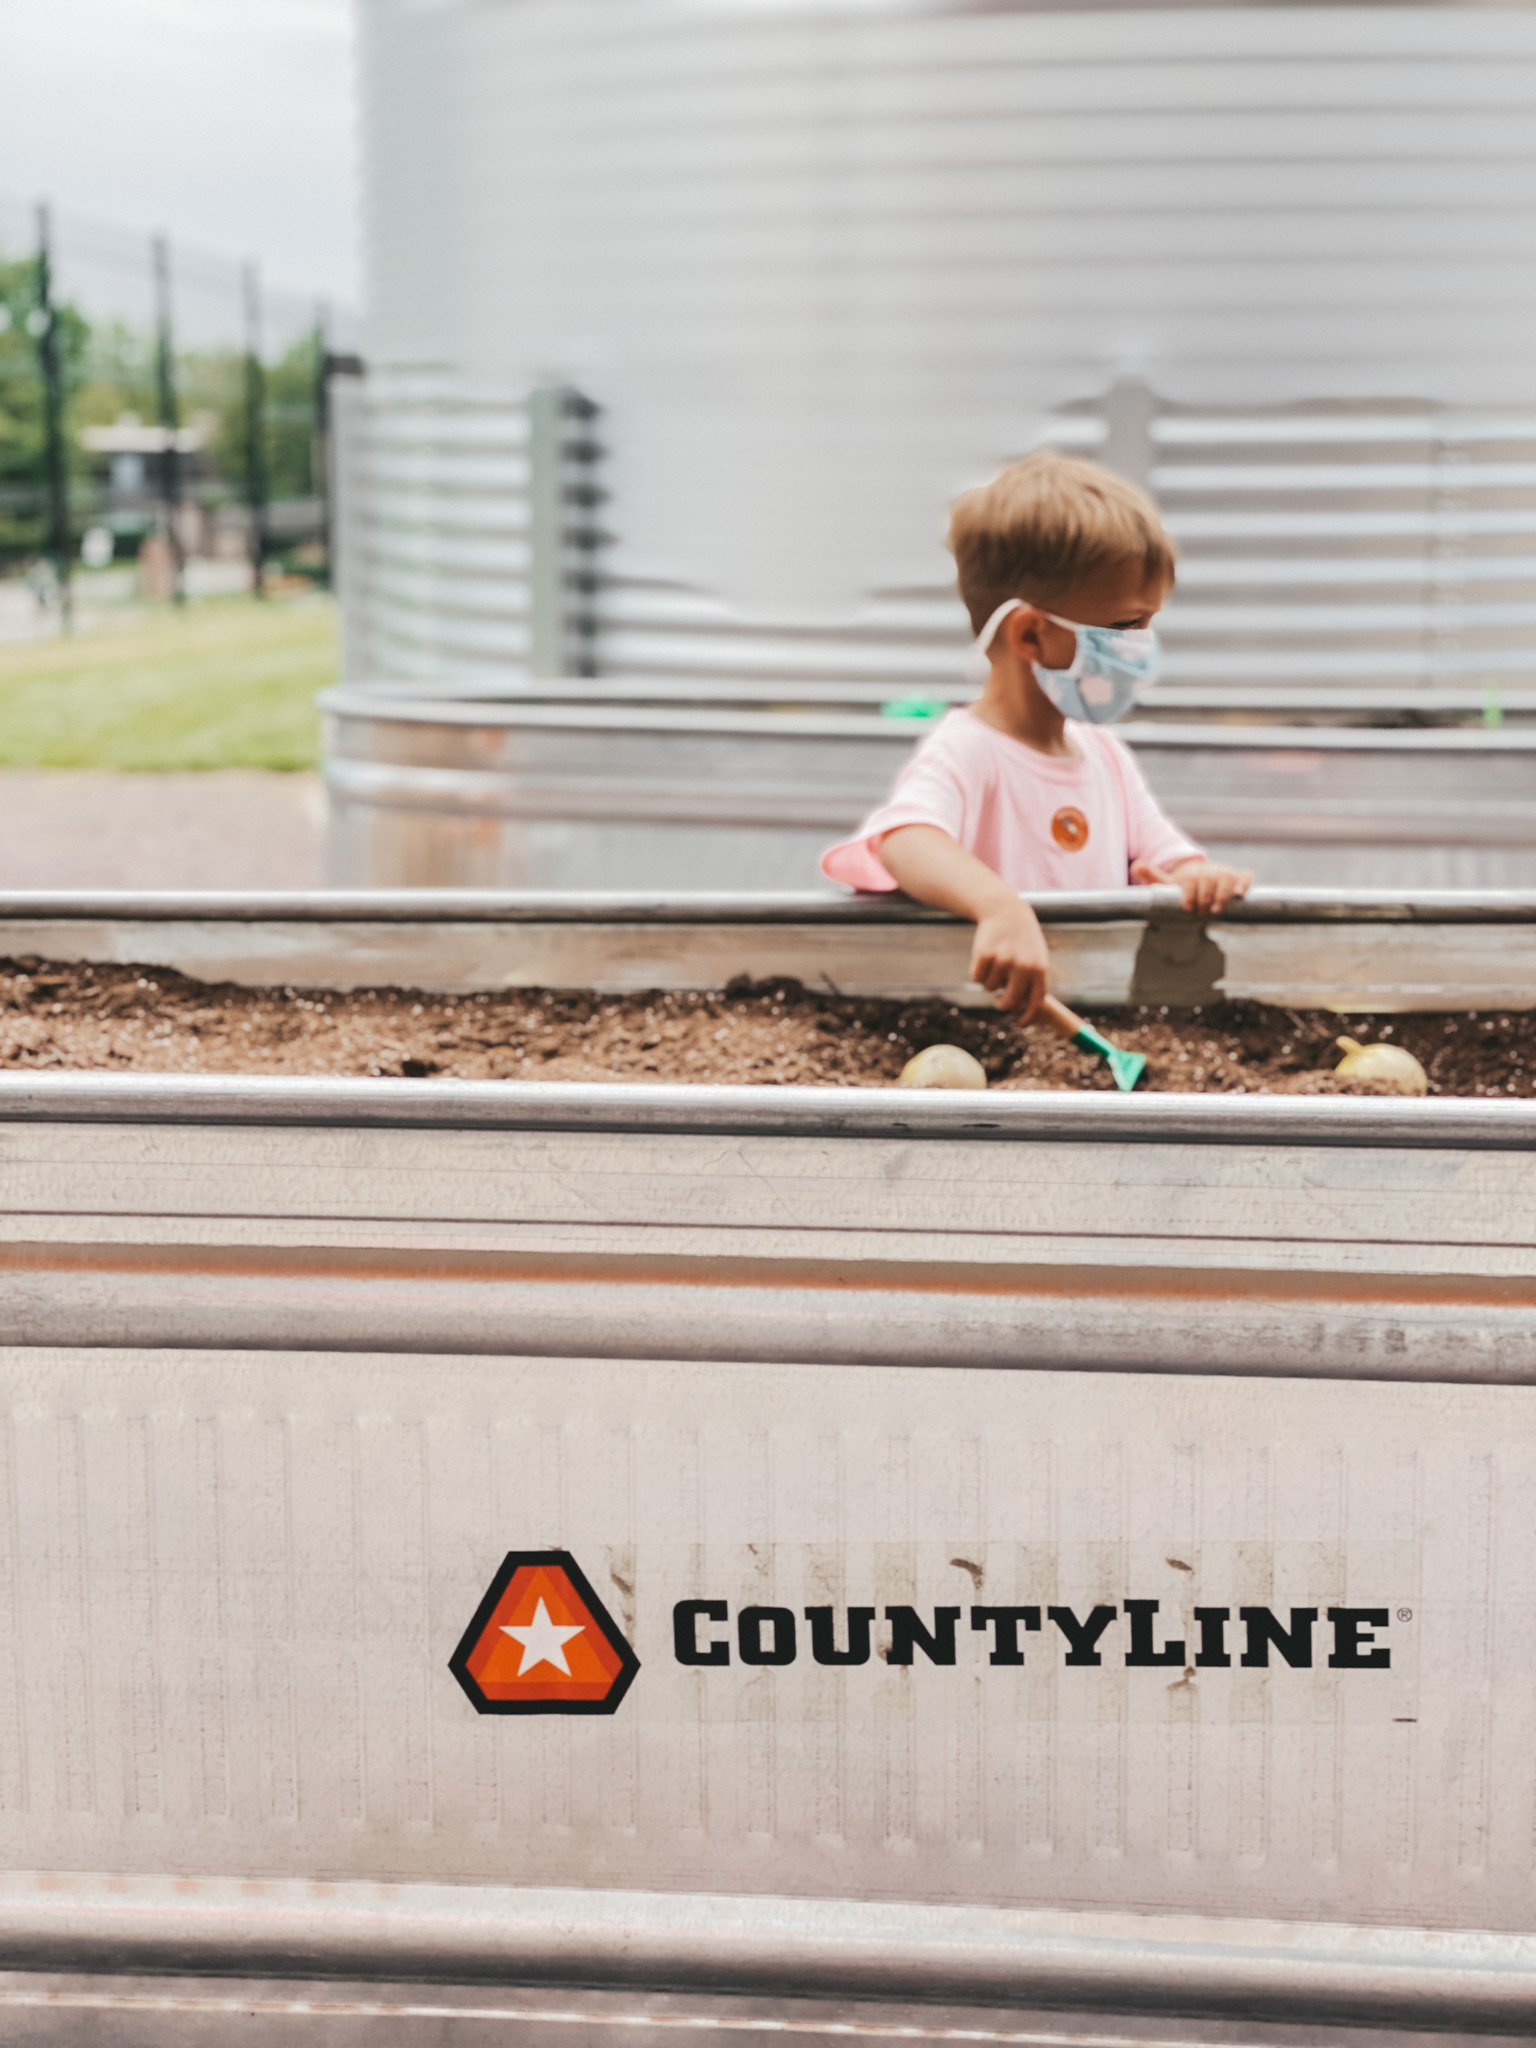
(1021, 630)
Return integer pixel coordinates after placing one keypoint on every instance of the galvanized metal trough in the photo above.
(1352, 950)
(575, 786)
(1077, 1550)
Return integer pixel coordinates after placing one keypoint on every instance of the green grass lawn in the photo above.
(224, 683)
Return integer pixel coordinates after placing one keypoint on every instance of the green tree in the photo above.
(291, 449)
(117, 376)
(288, 411)
(23, 512)
(109, 370)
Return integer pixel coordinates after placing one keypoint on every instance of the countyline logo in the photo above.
(542, 1642)
(772, 1635)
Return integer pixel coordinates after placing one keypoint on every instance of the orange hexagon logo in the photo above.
(542, 1642)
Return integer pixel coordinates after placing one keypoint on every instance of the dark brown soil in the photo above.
(148, 1020)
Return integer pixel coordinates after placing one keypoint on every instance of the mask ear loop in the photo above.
(988, 632)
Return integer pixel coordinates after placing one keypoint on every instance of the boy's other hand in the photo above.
(1205, 885)
(1010, 959)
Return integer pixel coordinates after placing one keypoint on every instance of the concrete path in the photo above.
(232, 828)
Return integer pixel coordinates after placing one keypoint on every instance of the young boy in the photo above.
(1062, 567)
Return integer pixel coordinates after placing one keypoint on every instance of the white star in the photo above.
(543, 1641)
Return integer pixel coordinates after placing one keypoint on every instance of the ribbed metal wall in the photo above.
(821, 268)
(441, 581)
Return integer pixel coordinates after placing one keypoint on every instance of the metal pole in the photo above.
(170, 416)
(320, 459)
(348, 504)
(255, 429)
(54, 463)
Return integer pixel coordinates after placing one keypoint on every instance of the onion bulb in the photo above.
(943, 1066)
(1389, 1066)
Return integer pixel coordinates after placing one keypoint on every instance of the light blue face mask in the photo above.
(1111, 668)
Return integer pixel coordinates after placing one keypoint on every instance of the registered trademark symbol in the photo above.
(1405, 1614)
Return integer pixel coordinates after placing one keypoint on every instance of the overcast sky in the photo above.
(225, 122)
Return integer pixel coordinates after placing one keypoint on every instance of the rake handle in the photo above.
(1060, 1018)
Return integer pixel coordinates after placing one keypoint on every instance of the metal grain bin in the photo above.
(817, 269)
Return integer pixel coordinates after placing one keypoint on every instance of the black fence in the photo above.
(160, 404)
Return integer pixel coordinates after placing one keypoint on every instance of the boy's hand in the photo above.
(1009, 957)
(1205, 885)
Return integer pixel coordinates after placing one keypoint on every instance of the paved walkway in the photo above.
(231, 828)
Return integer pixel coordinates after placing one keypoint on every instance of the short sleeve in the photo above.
(930, 790)
(1150, 834)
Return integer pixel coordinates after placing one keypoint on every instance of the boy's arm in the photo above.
(1009, 954)
(1160, 852)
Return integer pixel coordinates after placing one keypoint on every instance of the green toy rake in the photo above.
(1127, 1067)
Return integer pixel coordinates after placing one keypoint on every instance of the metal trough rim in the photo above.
(722, 1943)
(708, 1110)
(810, 906)
(351, 702)
(1269, 705)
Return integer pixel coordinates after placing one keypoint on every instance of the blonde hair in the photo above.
(1046, 526)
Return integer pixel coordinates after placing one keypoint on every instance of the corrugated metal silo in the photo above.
(819, 267)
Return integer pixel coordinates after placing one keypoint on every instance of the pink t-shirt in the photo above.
(1038, 821)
